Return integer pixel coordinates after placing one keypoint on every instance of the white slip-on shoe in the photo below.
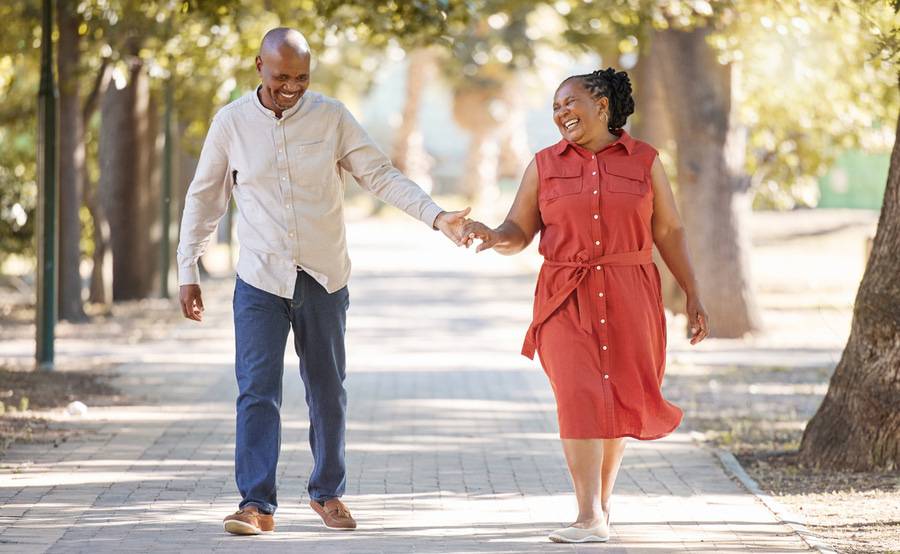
(599, 533)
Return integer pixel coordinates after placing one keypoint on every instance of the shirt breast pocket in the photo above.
(313, 164)
(626, 177)
(559, 182)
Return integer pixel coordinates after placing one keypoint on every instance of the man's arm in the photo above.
(358, 154)
(206, 202)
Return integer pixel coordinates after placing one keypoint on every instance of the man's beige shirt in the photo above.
(285, 176)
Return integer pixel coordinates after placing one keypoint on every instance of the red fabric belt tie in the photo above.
(581, 270)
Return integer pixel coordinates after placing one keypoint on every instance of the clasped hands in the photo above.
(464, 231)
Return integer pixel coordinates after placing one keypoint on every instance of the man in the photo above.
(279, 151)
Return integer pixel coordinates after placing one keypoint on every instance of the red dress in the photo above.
(599, 325)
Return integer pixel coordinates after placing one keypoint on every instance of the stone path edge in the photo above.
(793, 520)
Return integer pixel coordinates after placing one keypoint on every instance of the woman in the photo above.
(601, 200)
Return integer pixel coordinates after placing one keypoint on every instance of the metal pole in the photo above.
(165, 240)
(47, 211)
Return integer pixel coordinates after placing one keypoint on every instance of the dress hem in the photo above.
(629, 435)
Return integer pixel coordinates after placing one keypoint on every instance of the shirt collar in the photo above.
(624, 139)
(285, 114)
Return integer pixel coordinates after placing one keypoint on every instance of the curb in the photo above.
(786, 516)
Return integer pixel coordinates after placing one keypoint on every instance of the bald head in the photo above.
(283, 67)
(283, 40)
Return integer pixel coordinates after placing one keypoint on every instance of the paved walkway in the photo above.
(452, 443)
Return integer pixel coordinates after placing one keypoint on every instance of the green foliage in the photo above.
(818, 76)
(18, 125)
(815, 77)
(206, 48)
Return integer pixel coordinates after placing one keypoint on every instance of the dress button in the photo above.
(602, 321)
(597, 242)
(594, 173)
(596, 192)
(596, 216)
(292, 236)
(599, 267)
(604, 347)
(592, 157)
(606, 376)
(600, 294)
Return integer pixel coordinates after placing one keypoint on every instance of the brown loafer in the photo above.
(334, 514)
(249, 522)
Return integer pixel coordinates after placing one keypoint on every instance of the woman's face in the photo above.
(576, 114)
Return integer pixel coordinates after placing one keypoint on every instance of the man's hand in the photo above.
(477, 230)
(451, 224)
(191, 302)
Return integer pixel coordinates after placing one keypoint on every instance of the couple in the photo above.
(599, 198)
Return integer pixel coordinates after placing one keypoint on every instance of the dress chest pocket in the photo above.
(625, 177)
(558, 182)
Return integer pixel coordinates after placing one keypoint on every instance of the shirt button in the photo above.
(594, 173)
(600, 294)
(602, 321)
(596, 192)
(287, 205)
(597, 242)
(596, 216)
(592, 157)
(284, 178)
(280, 151)
(604, 347)
(606, 376)
(292, 236)
(599, 267)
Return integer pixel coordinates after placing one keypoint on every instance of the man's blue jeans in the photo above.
(261, 324)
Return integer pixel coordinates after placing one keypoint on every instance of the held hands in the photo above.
(451, 224)
(477, 230)
(191, 302)
(698, 319)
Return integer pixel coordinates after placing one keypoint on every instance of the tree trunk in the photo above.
(514, 152)
(409, 154)
(652, 124)
(101, 270)
(71, 165)
(472, 103)
(712, 184)
(127, 148)
(857, 427)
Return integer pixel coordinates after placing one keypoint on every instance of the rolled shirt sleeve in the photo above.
(358, 154)
(206, 203)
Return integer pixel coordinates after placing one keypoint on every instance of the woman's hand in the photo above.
(698, 319)
(477, 230)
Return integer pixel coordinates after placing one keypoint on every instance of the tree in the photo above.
(408, 152)
(712, 181)
(785, 115)
(71, 162)
(857, 427)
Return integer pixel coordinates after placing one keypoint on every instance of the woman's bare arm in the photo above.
(670, 240)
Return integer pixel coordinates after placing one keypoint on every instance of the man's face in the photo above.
(285, 76)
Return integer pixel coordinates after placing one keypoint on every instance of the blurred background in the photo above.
(775, 121)
(796, 100)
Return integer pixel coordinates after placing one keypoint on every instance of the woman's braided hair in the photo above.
(616, 87)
